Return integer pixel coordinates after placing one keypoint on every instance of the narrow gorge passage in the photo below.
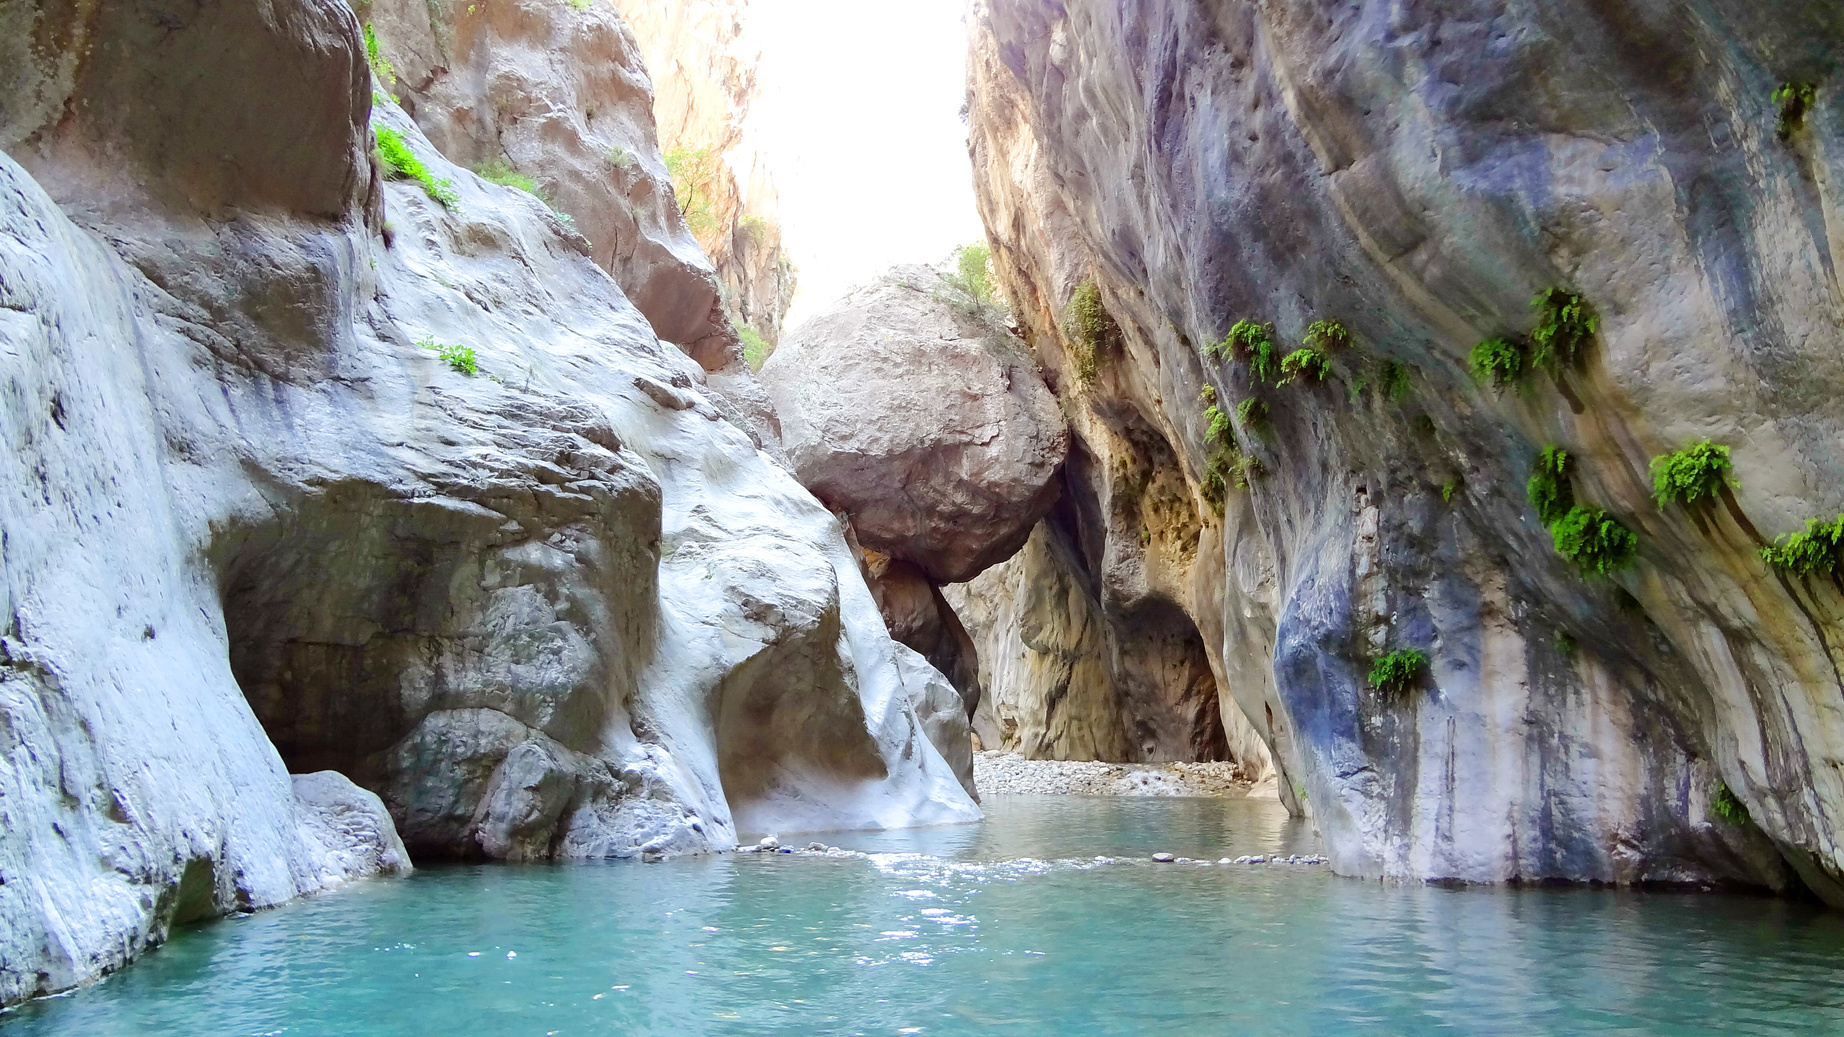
(961, 517)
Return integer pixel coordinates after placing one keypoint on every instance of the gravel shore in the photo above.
(999, 773)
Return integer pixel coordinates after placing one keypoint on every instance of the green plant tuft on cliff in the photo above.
(621, 158)
(461, 358)
(1304, 363)
(758, 228)
(1548, 487)
(1449, 488)
(380, 65)
(1252, 342)
(1819, 549)
(581, 5)
(1594, 540)
(1393, 380)
(1327, 334)
(695, 174)
(1795, 100)
(1251, 412)
(1207, 395)
(1217, 431)
(1697, 471)
(395, 153)
(1726, 805)
(1398, 671)
(756, 349)
(1499, 361)
(1090, 327)
(1565, 323)
(500, 171)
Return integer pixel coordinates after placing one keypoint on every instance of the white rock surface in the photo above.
(563, 607)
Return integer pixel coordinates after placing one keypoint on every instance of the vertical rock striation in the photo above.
(1417, 173)
(433, 509)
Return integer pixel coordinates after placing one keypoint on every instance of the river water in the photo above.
(1006, 927)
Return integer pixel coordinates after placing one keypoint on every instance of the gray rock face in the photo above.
(930, 428)
(254, 524)
(1418, 173)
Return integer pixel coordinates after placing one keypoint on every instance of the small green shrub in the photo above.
(1327, 334)
(1393, 380)
(1594, 540)
(1819, 549)
(1697, 471)
(500, 171)
(1564, 643)
(1548, 487)
(1795, 100)
(581, 5)
(758, 228)
(1499, 361)
(695, 174)
(1399, 670)
(621, 158)
(380, 65)
(1727, 806)
(973, 271)
(1207, 395)
(1449, 488)
(1217, 473)
(395, 153)
(756, 349)
(461, 358)
(1565, 323)
(1356, 389)
(1251, 412)
(1304, 363)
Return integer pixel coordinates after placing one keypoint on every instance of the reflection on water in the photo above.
(1006, 927)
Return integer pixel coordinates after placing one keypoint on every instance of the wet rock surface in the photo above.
(1418, 175)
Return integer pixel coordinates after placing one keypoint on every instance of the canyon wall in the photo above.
(706, 74)
(1152, 173)
(324, 454)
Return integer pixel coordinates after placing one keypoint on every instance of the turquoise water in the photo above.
(1008, 927)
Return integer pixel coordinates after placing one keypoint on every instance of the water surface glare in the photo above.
(1007, 927)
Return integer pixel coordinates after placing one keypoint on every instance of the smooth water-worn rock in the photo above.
(256, 522)
(1417, 173)
(927, 424)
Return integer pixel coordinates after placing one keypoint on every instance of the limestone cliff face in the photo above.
(1417, 173)
(705, 72)
(260, 518)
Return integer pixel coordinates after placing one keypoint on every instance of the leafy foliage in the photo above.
(1251, 412)
(1548, 487)
(1304, 363)
(1449, 488)
(1819, 549)
(1252, 342)
(1091, 327)
(621, 158)
(499, 171)
(1697, 471)
(1594, 540)
(461, 358)
(1218, 431)
(1565, 323)
(581, 5)
(1499, 361)
(973, 271)
(757, 229)
(695, 174)
(1795, 100)
(380, 65)
(756, 349)
(395, 153)
(1325, 333)
(1727, 806)
(1399, 670)
(1207, 395)
(1393, 379)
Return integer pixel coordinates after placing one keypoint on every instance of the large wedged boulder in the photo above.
(930, 428)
